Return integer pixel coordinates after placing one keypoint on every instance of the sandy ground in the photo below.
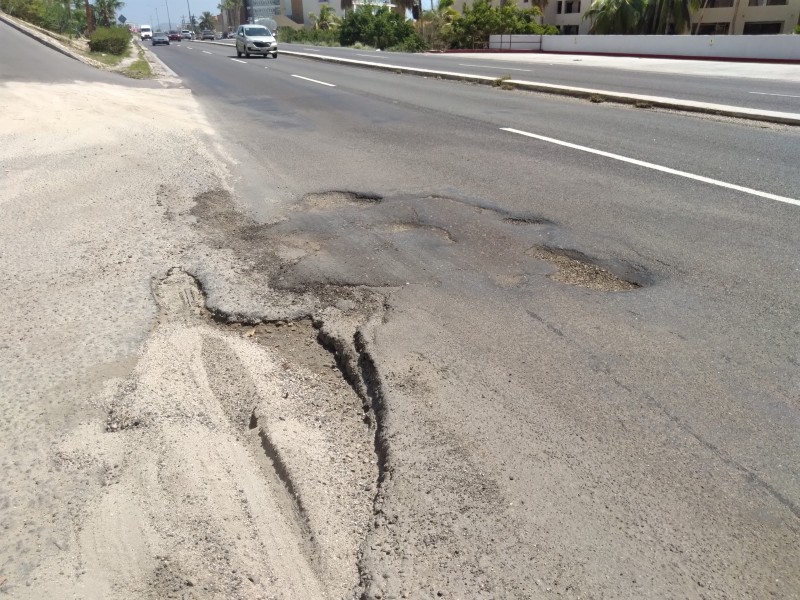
(150, 448)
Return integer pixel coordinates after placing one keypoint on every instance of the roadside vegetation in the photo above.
(140, 68)
(640, 17)
(439, 29)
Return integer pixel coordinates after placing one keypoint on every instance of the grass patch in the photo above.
(140, 68)
(501, 81)
(596, 99)
(110, 60)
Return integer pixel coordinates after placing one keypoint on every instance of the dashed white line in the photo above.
(766, 94)
(655, 167)
(312, 49)
(314, 80)
(373, 55)
(206, 52)
(244, 62)
(189, 48)
(498, 68)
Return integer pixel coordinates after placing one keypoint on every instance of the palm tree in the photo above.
(326, 19)
(621, 17)
(669, 16)
(207, 20)
(437, 24)
(107, 11)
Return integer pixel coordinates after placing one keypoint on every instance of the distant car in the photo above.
(187, 35)
(255, 39)
(160, 37)
(145, 32)
(207, 34)
(174, 36)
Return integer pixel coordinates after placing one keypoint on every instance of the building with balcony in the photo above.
(715, 17)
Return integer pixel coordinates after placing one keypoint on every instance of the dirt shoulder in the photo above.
(151, 447)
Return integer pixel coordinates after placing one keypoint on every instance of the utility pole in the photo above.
(158, 28)
(169, 21)
(191, 23)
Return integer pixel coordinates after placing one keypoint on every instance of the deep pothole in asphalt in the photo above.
(574, 268)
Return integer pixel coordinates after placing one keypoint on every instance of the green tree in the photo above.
(382, 28)
(325, 20)
(651, 17)
(207, 20)
(621, 17)
(481, 20)
(437, 24)
(106, 11)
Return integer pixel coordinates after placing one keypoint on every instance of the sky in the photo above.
(143, 12)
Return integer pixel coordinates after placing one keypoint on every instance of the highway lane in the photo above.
(631, 444)
(755, 156)
(775, 93)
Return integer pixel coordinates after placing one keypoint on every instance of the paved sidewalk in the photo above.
(708, 68)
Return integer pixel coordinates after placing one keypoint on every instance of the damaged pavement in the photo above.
(358, 393)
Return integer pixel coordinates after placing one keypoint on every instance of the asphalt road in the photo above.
(544, 436)
(584, 342)
(774, 93)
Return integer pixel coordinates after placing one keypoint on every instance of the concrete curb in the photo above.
(724, 110)
(46, 40)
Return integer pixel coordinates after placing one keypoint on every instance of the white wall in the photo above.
(769, 47)
(515, 42)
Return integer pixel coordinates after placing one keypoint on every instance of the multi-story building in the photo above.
(715, 17)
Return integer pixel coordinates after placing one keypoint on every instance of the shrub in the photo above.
(320, 37)
(113, 40)
(381, 28)
(483, 19)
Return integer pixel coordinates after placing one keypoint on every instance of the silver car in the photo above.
(255, 39)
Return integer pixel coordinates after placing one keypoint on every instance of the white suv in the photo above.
(255, 39)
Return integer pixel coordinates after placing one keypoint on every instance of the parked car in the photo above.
(207, 34)
(255, 39)
(174, 35)
(187, 35)
(159, 37)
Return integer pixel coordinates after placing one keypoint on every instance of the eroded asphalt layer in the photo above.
(362, 395)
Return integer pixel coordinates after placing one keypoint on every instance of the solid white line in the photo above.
(766, 94)
(498, 68)
(314, 80)
(641, 163)
(244, 62)
(206, 52)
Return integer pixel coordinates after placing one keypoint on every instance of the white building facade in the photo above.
(715, 17)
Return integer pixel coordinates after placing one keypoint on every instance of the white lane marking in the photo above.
(498, 68)
(266, 67)
(312, 50)
(766, 94)
(641, 163)
(244, 62)
(189, 48)
(314, 80)
(206, 52)
(373, 55)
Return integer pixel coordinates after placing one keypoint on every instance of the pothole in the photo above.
(336, 199)
(573, 268)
